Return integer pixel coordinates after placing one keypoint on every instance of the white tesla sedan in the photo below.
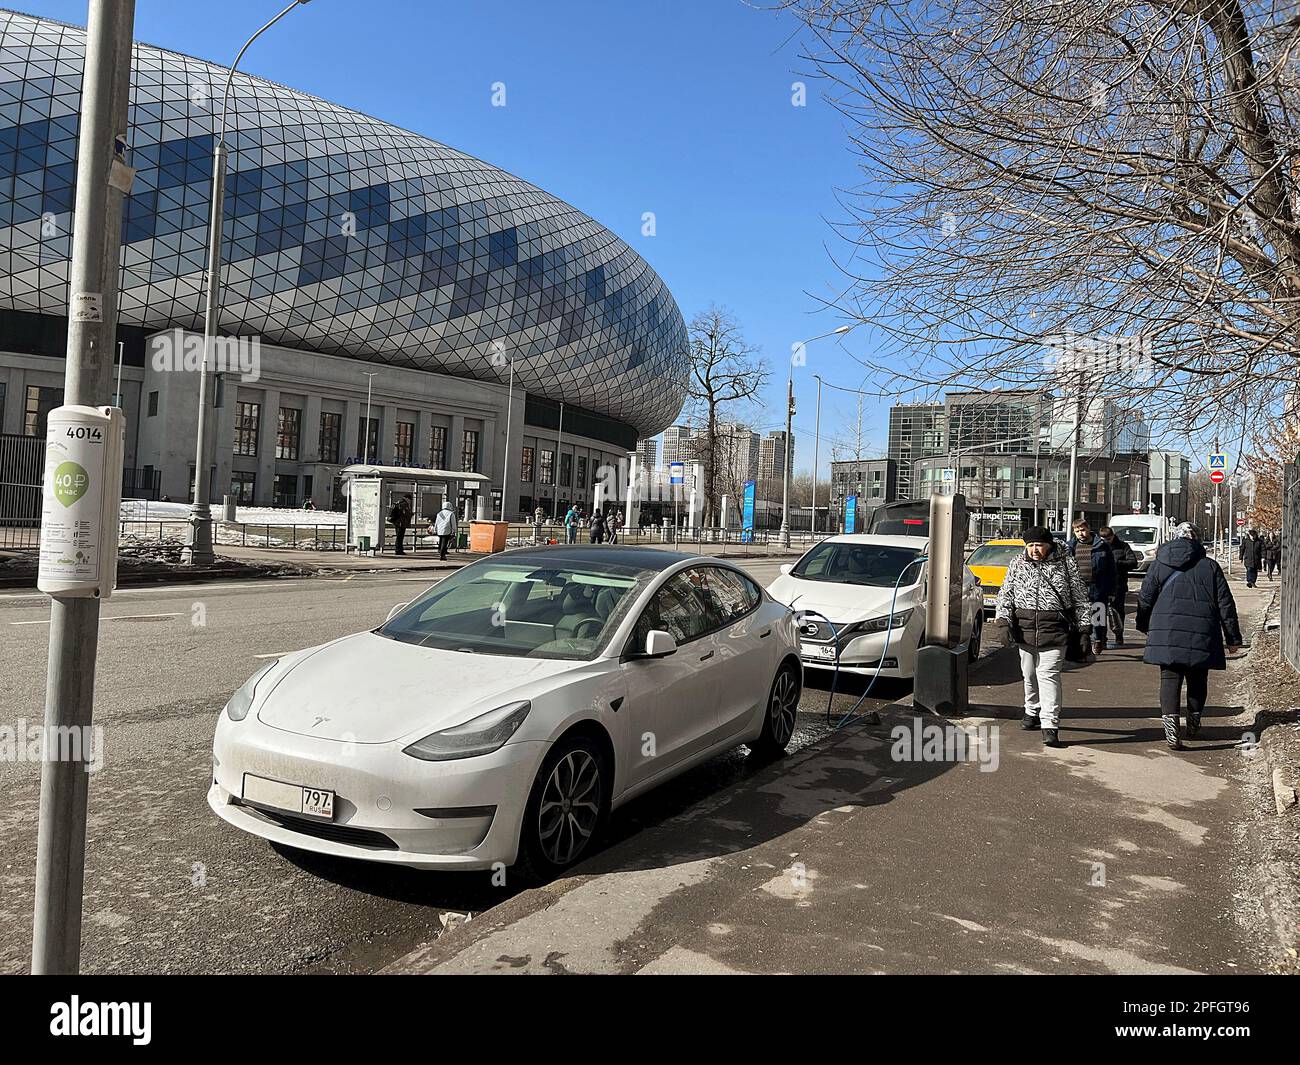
(872, 591)
(501, 715)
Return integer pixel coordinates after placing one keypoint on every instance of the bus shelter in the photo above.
(373, 490)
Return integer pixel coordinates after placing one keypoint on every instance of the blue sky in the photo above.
(677, 107)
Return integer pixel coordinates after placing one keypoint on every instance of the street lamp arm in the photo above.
(230, 77)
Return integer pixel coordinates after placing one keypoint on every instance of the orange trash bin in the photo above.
(488, 537)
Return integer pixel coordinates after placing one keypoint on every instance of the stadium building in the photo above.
(355, 255)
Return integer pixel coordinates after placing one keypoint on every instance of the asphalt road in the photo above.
(171, 889)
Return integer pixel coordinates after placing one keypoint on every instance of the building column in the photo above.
(456, 443)
(265, 487)
(309, 440)
(351, 448)
(387, 434)
(423, 430)
(487, 450)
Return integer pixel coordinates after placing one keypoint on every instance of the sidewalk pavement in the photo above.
(1111, 855)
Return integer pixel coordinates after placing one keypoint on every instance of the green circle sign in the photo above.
(70, 482)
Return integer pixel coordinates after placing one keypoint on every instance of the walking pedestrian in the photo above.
(1126, 560)
(1097, 569)
(400, 517)
(444, 528)
(1252, 555)
(1041, 601)
(1272, 554)
(597, 526)
(571, 520)
(1188, 614)
(614, 523)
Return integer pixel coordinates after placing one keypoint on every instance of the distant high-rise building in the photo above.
(647, 453)
(774, 456)
(738, 453)
(916, 431)
(679, 444)
(1105, 427)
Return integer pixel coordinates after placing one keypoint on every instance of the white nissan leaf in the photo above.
(861, 602)
(501, 715)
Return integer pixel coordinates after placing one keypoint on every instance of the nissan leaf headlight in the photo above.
(237, 708)
(889, 621)
(481, 735)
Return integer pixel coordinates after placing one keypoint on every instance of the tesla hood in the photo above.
(370, 689)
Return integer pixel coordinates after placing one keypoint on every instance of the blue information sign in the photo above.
(747, 514)
(851, 514)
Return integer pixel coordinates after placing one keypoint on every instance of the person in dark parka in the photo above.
(1188, 614)
(1097, 568)
(1252, 556)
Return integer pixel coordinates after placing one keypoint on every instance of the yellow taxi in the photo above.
(989, 563)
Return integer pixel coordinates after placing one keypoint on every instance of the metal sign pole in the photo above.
(102, 180)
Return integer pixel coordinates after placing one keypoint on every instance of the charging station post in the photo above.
(941, 685)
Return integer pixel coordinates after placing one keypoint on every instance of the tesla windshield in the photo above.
(850, 563)
(527, 608)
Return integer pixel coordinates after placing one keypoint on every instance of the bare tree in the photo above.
(1111, 180)
(1275, 444)
(724, 371)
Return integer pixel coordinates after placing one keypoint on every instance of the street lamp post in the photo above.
(789, 451)
(365, 429)
(505, 463)
(198, 551)
(817, 439)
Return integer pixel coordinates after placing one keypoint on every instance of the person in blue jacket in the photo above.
(1097, 568)
(1186, 609)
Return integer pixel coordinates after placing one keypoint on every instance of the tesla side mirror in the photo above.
(394, 612)
(786, 568)
(659, 644)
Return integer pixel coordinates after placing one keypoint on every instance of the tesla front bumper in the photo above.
(388, 806)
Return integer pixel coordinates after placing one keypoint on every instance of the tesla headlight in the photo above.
(482, 735)
(237, 708)
(889, 621)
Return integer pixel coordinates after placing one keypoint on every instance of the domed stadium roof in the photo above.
(343, 235)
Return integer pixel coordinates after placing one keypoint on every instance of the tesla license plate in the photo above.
(292, 798)
(824, 653)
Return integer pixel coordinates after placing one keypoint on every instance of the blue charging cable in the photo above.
(889, 627)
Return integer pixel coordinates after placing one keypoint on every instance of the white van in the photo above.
(1142, 532)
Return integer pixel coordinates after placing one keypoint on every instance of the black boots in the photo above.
(1049, 738)
(1029, 723)
(1193, 725)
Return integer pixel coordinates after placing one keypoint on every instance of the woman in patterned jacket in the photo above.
(1041, 599)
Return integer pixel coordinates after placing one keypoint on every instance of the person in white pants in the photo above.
(1040, 601)
(1041, 668)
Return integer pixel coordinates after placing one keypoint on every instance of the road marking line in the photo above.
(115, 617)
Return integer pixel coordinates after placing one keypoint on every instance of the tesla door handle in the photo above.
(705, 658)
(765, 633)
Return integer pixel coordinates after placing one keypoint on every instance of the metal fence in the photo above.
(22, 468)
(1289, 615)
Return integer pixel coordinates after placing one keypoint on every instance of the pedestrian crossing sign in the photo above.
(1218, 461)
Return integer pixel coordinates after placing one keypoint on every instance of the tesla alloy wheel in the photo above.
(782, 706)
(566, 807)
